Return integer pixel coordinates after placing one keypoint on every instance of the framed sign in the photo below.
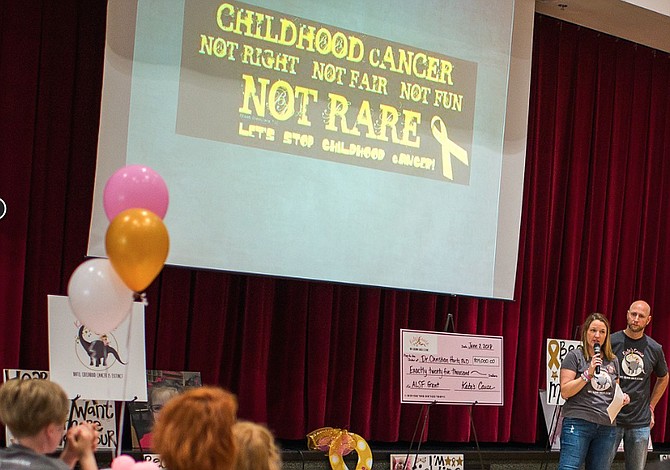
(450, 368)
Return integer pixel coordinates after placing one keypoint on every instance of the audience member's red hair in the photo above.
(194, 430)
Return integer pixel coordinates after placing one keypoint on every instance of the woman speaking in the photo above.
(589, 377)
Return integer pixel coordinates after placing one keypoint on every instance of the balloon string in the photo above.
(125, 383)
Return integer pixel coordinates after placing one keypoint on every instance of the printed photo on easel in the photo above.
(161, 386)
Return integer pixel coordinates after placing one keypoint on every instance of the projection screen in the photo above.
(359, 142)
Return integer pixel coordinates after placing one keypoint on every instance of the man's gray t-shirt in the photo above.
(18, 457)
(639, 358)
(591, 402)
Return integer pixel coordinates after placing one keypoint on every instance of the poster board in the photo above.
(427, 461)
(551, 399)
(118, 374)
(556, 351)
(450, 368)
(155, 459)
(101, 413)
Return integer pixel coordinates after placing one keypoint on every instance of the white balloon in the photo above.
(98, 296)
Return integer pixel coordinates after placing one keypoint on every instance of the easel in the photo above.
(551, 436)
(449, 327)
(122, 422)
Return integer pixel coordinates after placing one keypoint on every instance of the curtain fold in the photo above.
(301, 354)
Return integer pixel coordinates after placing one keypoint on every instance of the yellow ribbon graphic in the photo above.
(449, 147)
(553, 350)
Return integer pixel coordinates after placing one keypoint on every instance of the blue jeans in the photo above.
(584, 442)
(635, 444)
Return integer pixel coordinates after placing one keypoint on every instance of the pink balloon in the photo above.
(126, 462)
(98, 297)
(135, 187)
(123, 462)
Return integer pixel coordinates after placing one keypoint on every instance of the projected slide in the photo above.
(323, 92)
(368, 143)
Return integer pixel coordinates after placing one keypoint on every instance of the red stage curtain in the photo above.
(301, 355)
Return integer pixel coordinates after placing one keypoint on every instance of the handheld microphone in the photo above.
(596, 350)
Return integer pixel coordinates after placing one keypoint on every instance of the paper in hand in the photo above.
(617, 403)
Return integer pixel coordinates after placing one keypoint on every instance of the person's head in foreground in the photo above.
(32, 408)
(256, 447)
(194, 430)
(35, 412)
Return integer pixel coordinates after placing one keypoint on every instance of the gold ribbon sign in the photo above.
(338, 443)
(553, 349)
(449, 147)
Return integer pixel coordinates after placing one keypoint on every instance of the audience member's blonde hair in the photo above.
(256, 447)
(194, 430)
(27, 406)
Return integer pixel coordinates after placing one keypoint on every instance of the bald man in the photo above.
(639, 356)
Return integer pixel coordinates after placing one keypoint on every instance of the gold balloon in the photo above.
(137, 245)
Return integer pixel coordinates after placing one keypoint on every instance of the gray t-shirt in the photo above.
(591, 402)
(18, 457)
(639, 358)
